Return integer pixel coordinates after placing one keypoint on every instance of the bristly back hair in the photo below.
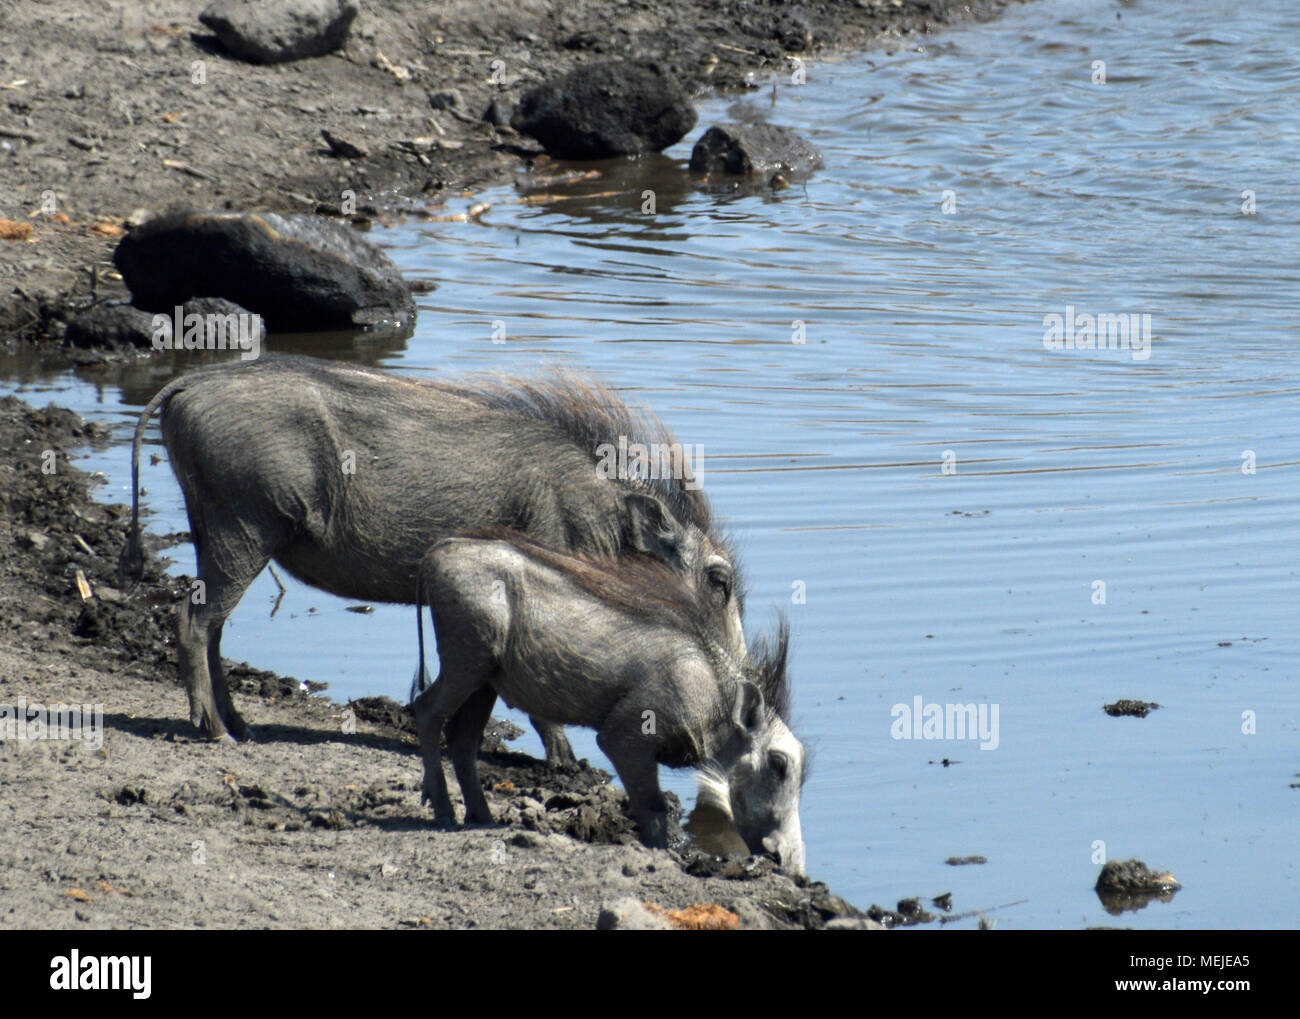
(648, 589)
(633, 582)
(592, 414)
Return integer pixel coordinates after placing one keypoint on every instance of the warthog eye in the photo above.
(720, 577)
(778, 763)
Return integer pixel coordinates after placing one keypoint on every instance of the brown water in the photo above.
(923, 346)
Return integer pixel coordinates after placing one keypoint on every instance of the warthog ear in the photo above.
(747, 711)
(651, 528)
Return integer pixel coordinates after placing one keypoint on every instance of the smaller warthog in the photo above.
(621, 645)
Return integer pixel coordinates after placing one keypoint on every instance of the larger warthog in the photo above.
(624, 647)
(345, 476)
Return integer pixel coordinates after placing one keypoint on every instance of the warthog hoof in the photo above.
(222, 734)
(654, 831)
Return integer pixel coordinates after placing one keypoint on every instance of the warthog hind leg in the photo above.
(230, 555)
(559, 754)
(464, 736)
(432, 710)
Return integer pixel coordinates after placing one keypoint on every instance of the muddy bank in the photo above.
(110, 112)
(319, 823)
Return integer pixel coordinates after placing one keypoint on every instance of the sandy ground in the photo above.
(307, 828)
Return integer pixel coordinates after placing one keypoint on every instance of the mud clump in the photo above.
(577, 801)
(813, 907)
(1130, 708)
(1131, 885)
(909, 913)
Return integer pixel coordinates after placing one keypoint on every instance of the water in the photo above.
(923, 346)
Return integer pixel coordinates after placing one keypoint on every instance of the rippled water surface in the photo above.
(932, 496)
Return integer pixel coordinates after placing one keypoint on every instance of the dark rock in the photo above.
(111, 325)
(1132, 885)
(754, 150)
(130, 795)
(300, 272)
(1133, 709)
(324, 817)
(828, 905)
(909, 914)
(912, 911)
(212, 306)
(604, 110)
(89, 624)
(448, 99)
(746, 868)
(123, 325)
(243, 678)
(1134, 877)
(386, 712)
(272, 33)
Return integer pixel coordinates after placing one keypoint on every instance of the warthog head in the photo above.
(695, 555)
(757, 778)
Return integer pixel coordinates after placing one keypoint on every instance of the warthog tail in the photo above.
(422, 680)
(130, 565)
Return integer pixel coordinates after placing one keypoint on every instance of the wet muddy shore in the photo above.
(319, 823)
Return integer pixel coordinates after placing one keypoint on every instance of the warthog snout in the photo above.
(787, 850)
(762, 789)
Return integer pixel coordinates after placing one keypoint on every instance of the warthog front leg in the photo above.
(633, 756)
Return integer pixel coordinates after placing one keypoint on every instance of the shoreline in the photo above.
(105, 124)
